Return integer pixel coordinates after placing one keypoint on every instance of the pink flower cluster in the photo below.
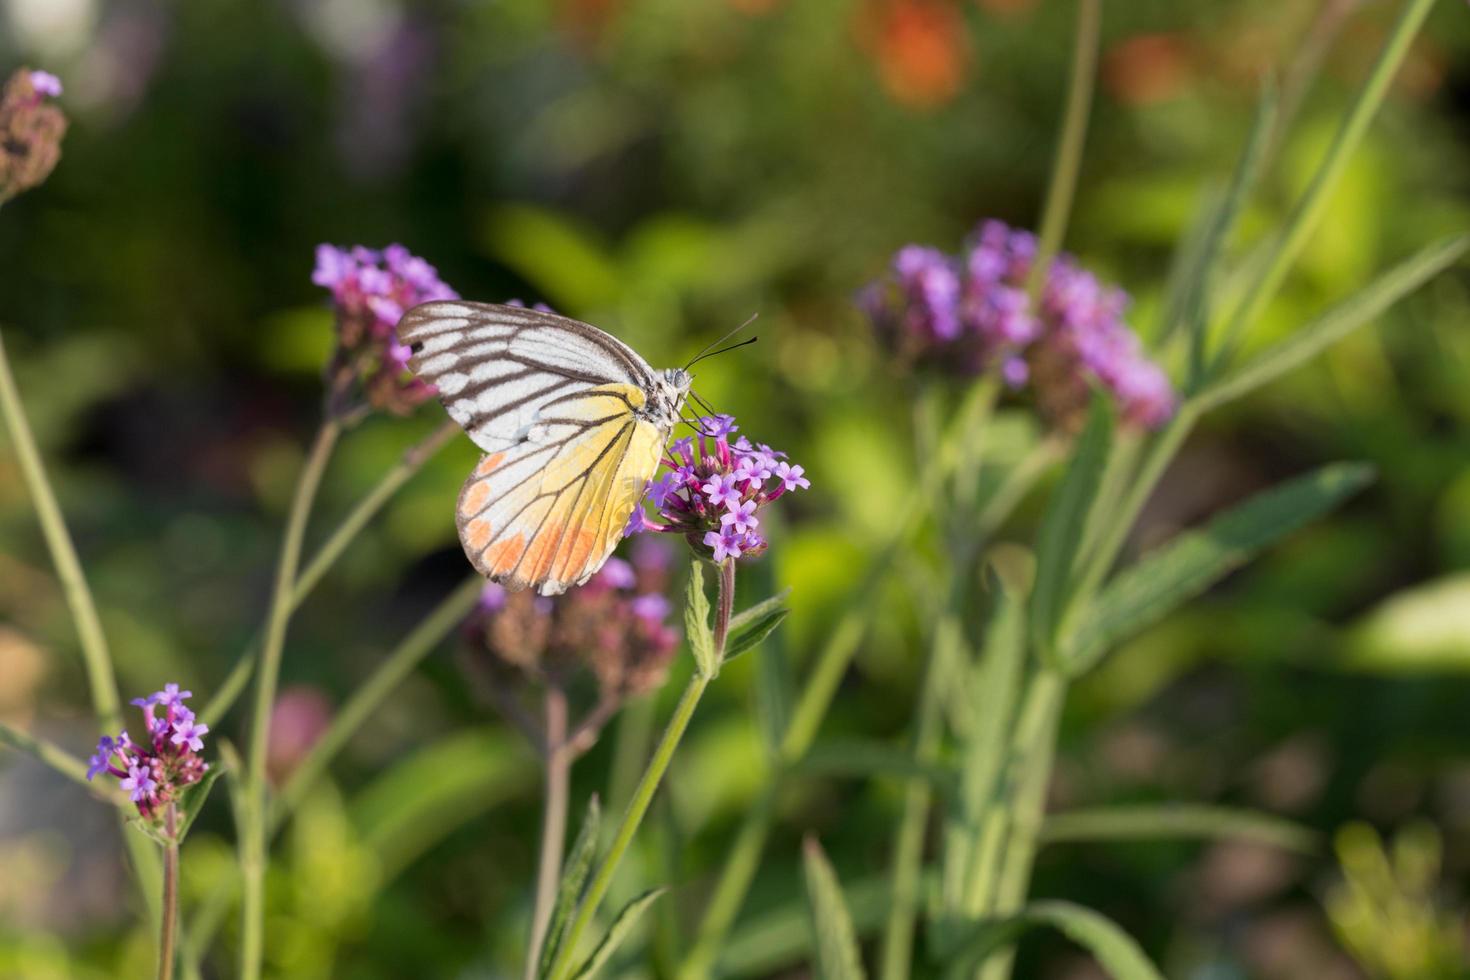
(154, 770)
(968, 313)
(712, 490)
(371, 289)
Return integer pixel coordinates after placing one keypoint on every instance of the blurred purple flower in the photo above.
(45, 84)
(31, 129)
(970, 313)
(370, 290)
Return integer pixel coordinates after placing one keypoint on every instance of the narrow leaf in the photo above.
(1193, 561)
(1355, 311)
(1065, 521)
(753, 635)
(1116, 951)
(573, 877)
(1172, 820)
(867, 757)
(696, 622)
(836, 940)
(616, 933)
(191, 801)
(758, 611)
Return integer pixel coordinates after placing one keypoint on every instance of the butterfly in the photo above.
(572, 422)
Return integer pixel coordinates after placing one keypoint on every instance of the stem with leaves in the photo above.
(253, 831)
(663, 754)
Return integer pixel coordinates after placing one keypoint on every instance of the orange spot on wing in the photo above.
(489, 463)
(474, 498)
(502, 557)
(477, 533)
(576, 556)
(542, 550)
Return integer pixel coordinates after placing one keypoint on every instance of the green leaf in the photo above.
(1247, 169)
(1065, 522)
(1422, 629)
(758, 611)
(573, 877)
(1355, 311)
(1116, 951)
(752, 636)
(1193, 561)
(191, 801)
(868, 757)
(696, 622)
(616, 933)
(836, 940)
(1173, 820)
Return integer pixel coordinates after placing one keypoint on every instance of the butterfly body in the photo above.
(572, 422)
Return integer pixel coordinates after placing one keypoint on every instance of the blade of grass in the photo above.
(1144, 822)
(832, 929)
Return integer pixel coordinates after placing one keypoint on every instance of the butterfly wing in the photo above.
(496, 367)
(555, 404)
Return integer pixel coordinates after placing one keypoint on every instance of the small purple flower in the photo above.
(718, 426)
(154, 771)
(617, 574)
(45, 84)
(190, 733)
(721, 490)
(101, 760)
(492, 597)
(651, 607)
(724, 545)
(740, 517)
(791, 476)
(139, 783)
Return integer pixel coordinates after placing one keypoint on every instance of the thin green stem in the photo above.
(553, 821)
(1067, 164)
(1309, 210)
(101, 681)
(253, 834)
(1026, 805)
(326, 556)
(169, 927)
(562, 966)
(365, 702)
(908, 848)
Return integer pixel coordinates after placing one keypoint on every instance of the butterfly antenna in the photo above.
(709, 348)
(702, 403)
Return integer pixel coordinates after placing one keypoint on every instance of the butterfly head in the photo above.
(670, 390)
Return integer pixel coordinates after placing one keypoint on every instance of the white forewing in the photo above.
(496, 367)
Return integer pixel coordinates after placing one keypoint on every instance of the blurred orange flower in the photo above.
(920, 48)
(1147, 68)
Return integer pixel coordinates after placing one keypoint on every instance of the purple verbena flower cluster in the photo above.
(713, 489)
(371, 289)
(969, 313)
(31, 129)
(155, 769)
(616, 625)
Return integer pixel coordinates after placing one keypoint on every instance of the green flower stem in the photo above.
(1067, 164)
(562, 966)
(169, 927)
(908, 850)
(401, 661)
(413, 460)
(101, 680)
(743, 856)
(1307, 213)
(553, 821)
(1033, 751)
(253, 809)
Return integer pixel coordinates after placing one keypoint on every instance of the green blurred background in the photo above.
(664, 169)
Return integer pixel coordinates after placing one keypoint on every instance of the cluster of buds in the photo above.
(615, 626)
(712, 490)
(371, 289)
(31, 129)
(153, 770)
(970, 313)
